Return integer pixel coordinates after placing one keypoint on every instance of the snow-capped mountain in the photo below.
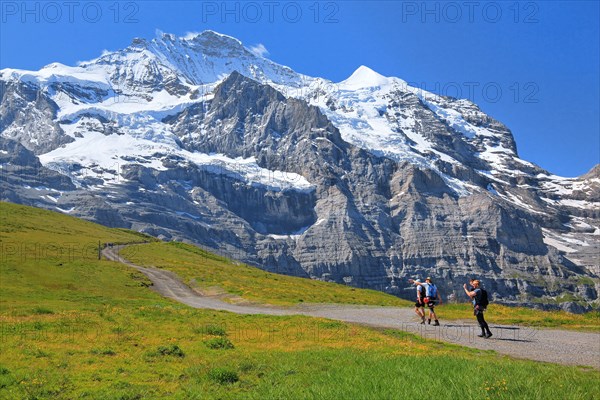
(363, 182)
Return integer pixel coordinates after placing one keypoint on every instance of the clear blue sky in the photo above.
(543, 56)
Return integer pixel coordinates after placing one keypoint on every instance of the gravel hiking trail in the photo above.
(549, 345)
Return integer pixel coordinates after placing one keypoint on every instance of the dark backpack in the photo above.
(422, 292)
(483, 299)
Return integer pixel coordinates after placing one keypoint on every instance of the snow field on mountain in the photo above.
(104, 156)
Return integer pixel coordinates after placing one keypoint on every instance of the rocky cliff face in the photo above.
(366, 182)
(29, 116)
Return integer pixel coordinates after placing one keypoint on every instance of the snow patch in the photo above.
(578, 203)
(364, 77)
(562, 242)
(491, 189)
(104, 157)
(294, 235)
(184, 214)
(558, 245)
(62, 210)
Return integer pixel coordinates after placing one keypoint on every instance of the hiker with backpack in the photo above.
(432, 296)
(480, 300)
(420, 304)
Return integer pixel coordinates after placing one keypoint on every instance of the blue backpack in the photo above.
(432, 291)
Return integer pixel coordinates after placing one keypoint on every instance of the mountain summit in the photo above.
(364, 182)
(364, 77)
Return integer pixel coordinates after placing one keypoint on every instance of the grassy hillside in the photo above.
(209, 273)
(75, 327)
(46, 256)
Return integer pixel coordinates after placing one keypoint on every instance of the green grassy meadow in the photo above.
(74, 327)
(210, 273)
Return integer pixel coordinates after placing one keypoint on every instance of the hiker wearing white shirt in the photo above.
(420, 303)
(432, 297)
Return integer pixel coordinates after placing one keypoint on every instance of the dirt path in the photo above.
(551, 345)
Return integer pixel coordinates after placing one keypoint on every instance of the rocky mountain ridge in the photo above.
(364, 182)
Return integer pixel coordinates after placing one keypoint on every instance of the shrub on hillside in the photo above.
(223, 376)
(219, 343)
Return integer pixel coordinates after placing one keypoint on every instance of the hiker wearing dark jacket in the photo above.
(478, 308)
